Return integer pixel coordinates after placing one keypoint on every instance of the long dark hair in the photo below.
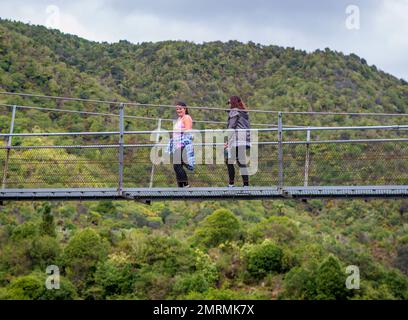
(236, 102)
(182, 104)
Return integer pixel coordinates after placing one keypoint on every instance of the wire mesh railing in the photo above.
(351, 163)
(313, 163)
(121, 158)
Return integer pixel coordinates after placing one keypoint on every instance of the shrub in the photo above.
(330, 280)
(81, 255)
(397, 283)
(206, 267)
(167, 254)
(115, 275)
(67, 291)
(47, 226)
(32, 287)
(263, 259)
(368, 292)
(25, 231)
(219, 227)
(195, 282)
(299, 283)
(151, 284)
(28, 287)
(223, 294)
(44, 251)
(280, 229)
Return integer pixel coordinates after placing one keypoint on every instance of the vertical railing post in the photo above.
(157, 141)
(280, 151)
(9, 142)
(121, 147)
(307, 159)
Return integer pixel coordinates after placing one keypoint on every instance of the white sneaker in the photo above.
(230, 186)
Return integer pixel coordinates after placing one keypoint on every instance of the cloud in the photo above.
(392, 24)
(382, 39)
(70, 18)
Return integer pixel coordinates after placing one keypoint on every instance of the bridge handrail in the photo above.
(151, 145)
(104, 114)
(47, 134)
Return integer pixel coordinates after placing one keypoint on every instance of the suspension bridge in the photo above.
(299, 161)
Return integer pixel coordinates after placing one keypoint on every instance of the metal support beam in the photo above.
(307, 159)
(121, 146)
(200, 194)
(157, 141)
(280, 151)
(9, 142)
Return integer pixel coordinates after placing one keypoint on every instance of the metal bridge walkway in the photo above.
(290, 162)
(236, 193)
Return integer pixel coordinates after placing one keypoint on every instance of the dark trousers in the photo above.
(178, 165)
(238, 154)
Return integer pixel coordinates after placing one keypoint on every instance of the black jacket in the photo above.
(239, 119)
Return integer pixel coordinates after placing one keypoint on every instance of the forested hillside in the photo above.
(201, 250)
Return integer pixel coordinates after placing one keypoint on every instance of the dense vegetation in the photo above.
(205, 250)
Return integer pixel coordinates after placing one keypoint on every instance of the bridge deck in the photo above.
(247, 193)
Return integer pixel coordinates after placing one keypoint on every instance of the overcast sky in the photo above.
(376, 30)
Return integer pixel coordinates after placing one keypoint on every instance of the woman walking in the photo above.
(181, 145)
(238, 141)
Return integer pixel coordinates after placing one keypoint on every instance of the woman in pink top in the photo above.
(183, 123)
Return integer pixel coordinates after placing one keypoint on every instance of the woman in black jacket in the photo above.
(238, 141)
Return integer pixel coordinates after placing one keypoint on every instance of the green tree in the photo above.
(29, 287)
(167, 255)
(397, 283)
(23, 231)
(32, 287)
(219, 227)
(67, 291)
(300, 283)
(331, 280)
(263, 259)
(44, 251)
(280, 229)
(195, 282)
(47, 226)
(81, 256)
(116, 275)
(206, 267)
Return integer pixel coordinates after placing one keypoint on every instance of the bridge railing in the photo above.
(286, 156)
